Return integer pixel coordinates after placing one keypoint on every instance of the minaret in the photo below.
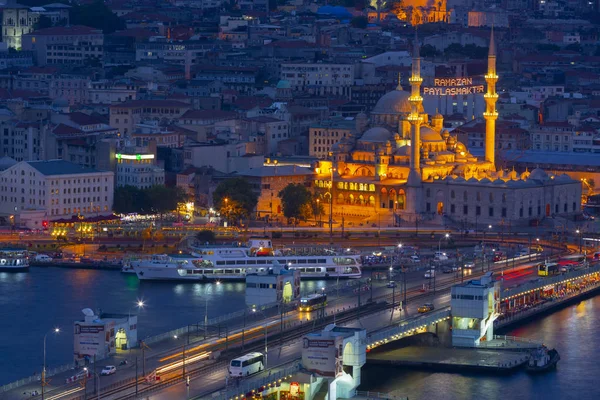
(414, 117)
(491, 97)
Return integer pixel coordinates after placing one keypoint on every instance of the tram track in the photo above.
(252, 341)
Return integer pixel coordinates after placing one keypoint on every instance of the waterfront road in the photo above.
(166, 357)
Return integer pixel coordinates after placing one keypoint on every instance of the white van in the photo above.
(43, 258)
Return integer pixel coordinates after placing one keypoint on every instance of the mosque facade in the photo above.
(403, 166)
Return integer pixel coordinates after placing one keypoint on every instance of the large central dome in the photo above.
(394, 102)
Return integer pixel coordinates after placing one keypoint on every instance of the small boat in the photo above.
(542, 360)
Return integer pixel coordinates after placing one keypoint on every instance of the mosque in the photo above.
(403, 166)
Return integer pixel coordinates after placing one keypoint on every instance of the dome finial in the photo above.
(399, 86)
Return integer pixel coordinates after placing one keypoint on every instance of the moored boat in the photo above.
(235, 262)
(542, 360)
(14, 260)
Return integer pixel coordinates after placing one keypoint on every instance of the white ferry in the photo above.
(234, 263)
(14, 260)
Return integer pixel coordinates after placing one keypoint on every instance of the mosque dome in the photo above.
(564, 178)
(539, 175)
(377, 134)
(445, 134)
(498, 182)
(429, 135)
(485, 180)
(394, 102)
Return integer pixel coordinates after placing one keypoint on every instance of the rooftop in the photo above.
(60, 167)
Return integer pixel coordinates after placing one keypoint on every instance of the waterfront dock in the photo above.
(451, 359)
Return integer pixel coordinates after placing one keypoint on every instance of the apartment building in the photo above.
(319, 78)
(75, 44)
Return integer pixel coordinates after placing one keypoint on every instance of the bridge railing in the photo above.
(383, 336)
(283, 371)
(36, 377)
(539, 283)
(211, 322)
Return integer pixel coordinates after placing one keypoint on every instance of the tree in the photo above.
(428, 51)
(359, 22)
(206, 236)
(163, 199)
(96, 15)
(297, 201)
(127, 200)
(235, 198)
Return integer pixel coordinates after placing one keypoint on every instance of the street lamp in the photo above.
(97, 377)
(206, 311)
(55, 331)
(319, 211)
(446, 236)
(331, 170)
(266, 336)
(579, 232)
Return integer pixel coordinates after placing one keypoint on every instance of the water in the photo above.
(32, 304)
(573, 331)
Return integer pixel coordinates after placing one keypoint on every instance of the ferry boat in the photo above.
(14, 260)
(235, 262)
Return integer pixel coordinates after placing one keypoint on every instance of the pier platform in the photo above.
(451, 359)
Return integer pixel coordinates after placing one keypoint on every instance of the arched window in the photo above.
(452, 194)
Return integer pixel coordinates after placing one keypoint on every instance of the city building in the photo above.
(100, 335)
(124, 116)
(138, 169)
(319, 78)
(74, 44)
(37, 191)
(18, 19)
(268, 180)
(475, 306)
(276, 285)
(222, 156)
(323, 135)
(404, 167)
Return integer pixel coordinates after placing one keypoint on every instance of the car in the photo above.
(43, 258)
(447, 270)
(391, 284)
(470, 264)
(109, 370)
(440, 257)
(426, 308)
(455, 268)
(415, 259)
(430, 274)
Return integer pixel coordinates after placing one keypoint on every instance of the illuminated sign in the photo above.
(134, 157)
(453, 87)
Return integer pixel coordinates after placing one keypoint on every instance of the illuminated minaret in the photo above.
(491, 97)
(414, 117)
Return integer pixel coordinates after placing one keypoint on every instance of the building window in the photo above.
(503, 212)
(478, 210)
(574, 206)
(491, 197)
(465, 196)
(478, 196)
(465, 210)
(521, 212)
(428, 207)
(530, 211)
(504, 197)
(491, 211)
(452, 194)
(452, 209)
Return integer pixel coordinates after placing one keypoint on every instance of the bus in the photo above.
(572, 261)
(247, 365)
(313, 302)
(548, 269)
